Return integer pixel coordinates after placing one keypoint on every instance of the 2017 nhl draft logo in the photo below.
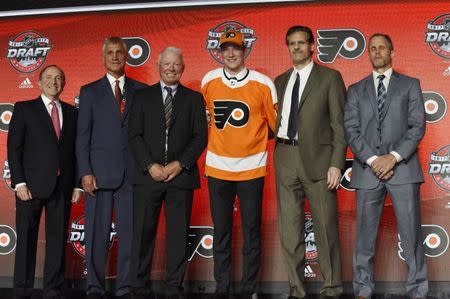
(435, 106)
(347, 176)
(138, 50)
(7, 175)
(28, 51)
(8, 239)
(439, 167)
(76, 236)
(434, 239)
(311, 253)
(200, 240)
(438, 35)
(6, 112)
(212, 42)
(347, 43)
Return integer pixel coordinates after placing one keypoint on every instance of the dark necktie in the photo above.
(381, 95)
(118, 94)
(293, 114)
(168, 105)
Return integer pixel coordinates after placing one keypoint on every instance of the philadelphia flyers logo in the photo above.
(347, 43)
(138, 50)
(200, 241)
(6, 111)
(435, 106)
(347, 176)
(234, 113)
(435, 241)
(8, 239)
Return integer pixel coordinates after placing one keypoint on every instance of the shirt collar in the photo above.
(112, 79)
(239, 76)
(173, 87)
(387, 74)
(304, 71)
(47, 101)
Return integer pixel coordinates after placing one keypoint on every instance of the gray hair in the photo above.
(114, 40)
(174, 50)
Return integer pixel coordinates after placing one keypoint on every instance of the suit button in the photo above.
(379, 129)
(378, 147)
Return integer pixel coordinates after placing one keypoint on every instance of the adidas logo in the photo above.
(309, 272)
(26, 83)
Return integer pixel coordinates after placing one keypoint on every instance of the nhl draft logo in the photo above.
(28, 51)
(434, 239)
(438, 35)
(212, 42)
(347, 43)
(7, 175)
(76, 236)
(311, 254)
(435, 106)
(439, 167)
(234, 113)
(8, 239)
(138, 50)
(200, 241)
(347, 176)
(6, 112)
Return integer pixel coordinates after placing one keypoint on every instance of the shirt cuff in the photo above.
(19, 185)
(78, 189)
(396, 155)
(371, 159)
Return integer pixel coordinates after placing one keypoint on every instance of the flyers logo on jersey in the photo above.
(234, 113)
(347, 43)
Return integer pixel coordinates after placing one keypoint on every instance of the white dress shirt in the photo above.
(304, 75)
(112, 82)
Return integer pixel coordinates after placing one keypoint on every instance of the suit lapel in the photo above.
(313, 79)
(65, 120)
(282, 87)
(177, 103)
(371, 93)
(393, 82)
(128, 96)
(42, 113)
(110, 98)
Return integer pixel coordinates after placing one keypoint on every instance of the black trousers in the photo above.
(146, 207)
(222, 194)
(28, 215)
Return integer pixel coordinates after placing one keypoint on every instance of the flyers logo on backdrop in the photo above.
(138, 50)
(200, 241)
(311, 253)
(76, 236)
(435, 106)
(212, 41)
(235, 113)
(347, 43)
(439, 167)
(8, 239)
(6, 112)
(347, 176)
(438, 35)
(28, 51)
(7, 175)
(434, 239)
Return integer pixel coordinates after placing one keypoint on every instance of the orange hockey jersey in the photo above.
(241, 111)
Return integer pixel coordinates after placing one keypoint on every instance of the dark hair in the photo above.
(386, 37)
(298, 28)
(49, 66)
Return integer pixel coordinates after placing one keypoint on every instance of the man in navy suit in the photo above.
(105, 165)
(41, 155)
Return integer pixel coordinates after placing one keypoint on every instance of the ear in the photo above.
(392, 54)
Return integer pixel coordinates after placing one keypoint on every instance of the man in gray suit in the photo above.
(384, 122)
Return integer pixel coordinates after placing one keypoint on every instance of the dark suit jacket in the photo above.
(102, 142)
(187, 133)
(320, 122)
(35, 153)
(401, 128)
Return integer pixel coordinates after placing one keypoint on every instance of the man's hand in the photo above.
(76, 196)
(157, 172)
(333, 177)
(383, 165)
(89, 183)
(23, 193)
(172, 170)
(387, 176)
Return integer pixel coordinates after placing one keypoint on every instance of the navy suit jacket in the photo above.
(102, 142)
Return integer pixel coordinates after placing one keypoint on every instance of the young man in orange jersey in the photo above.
(241, 104)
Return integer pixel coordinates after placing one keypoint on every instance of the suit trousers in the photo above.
(98, 225)
(147, 207)
(406, 202)
(222, 195)
(28, 215)
(293, 184)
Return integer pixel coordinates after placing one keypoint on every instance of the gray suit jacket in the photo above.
(400, 129)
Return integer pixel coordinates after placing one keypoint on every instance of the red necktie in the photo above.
(55, 119)
(118, 94)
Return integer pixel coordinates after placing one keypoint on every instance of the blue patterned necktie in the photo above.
(293, 114)
(381, 95)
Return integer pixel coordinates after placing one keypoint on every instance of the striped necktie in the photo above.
(168, 105)
(381, 95)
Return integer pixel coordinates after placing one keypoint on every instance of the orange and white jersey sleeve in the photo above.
(241, 113)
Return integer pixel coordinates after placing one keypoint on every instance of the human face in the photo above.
(114, 58)
(171, 68)
(380, 55)
(299, 48)
(52, 83)
(233, 57)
